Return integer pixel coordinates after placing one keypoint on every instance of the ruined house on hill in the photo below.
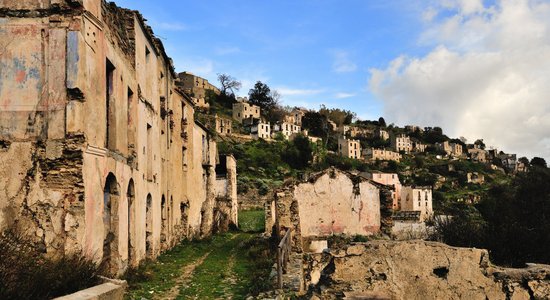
(331, 202)
(99, 150)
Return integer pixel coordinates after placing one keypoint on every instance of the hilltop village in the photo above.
(109, 153)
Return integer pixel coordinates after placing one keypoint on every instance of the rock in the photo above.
(355, 250)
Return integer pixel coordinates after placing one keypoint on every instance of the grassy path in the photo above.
(227, 266)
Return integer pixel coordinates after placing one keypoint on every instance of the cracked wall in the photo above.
(97, 142)
(419, 270)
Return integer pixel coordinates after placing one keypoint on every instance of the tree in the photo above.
(228, 84)
(338, 116)
(480, 143)
(262, 96)
(299, 152)
(315, 123)
(382, 122)
(538, 162)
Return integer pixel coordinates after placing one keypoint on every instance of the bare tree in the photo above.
(228, 84)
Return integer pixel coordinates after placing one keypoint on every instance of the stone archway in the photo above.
(131, 196)
(149, 226)
(111, 199)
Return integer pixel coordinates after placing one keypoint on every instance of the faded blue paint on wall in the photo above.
(72, 59)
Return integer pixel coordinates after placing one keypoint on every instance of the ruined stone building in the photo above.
(417, 199)
(387, 179)
(401, 143)
(452, 149)
(331, 202)
(243, 110)
(223, 126)
(196, 86)
(287, 129)
(382, 134)
(261, 130)
(100, 152)
(349, 148)
(380, 154)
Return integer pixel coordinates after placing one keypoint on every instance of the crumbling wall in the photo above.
(334, 204)
(43, 194)
(420, 270)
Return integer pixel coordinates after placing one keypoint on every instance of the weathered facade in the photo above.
(330, 203)
(387, 179)
(196, 86)
(243, 110)
(349, 148)
(418, 199)
(381, 154)
(401, 143)
(101, 153)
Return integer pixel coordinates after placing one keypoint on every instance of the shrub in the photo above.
(25, 273)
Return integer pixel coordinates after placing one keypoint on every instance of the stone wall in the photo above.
(331, 203)
(99, 149)
(419, 270)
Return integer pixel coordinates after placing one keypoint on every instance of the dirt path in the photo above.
(185, 277)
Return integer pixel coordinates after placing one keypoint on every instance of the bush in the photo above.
(27, 274)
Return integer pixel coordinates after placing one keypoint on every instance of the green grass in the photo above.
(252, 220)
(156, 277)
(238, 264)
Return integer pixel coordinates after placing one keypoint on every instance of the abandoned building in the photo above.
(387, 179)
(243, 110)
(417, 199)
(331, 202)
(401, 143)
(349, 147)
(380, 154)
(196, 86)
(101, 152)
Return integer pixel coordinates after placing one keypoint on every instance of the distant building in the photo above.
(401, 142)
(381, 154)
(223, 125)
(261, 130)
(388, 179)
(475, 177)
(419, 147)
(452, 149)
(286, 128)
(195, 86)
(415, 198)
(243, 110)
(382, 134)
(355, 131)
(413, 128)
(509, 161)
(349, 148)
(298, 113)
(477, 155)
(200, 102)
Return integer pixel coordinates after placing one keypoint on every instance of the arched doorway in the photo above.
(149, 227)
(131, 195)
(111, 197)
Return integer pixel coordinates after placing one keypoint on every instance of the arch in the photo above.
(149, 226)
(131, 196)
(111, 197)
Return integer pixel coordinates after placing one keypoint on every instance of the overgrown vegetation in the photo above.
(231, 265)
(25, 273)
(512, 221)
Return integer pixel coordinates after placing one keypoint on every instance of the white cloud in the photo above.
(343, 95)
(285, 91)
(342, 62)
(486, 76)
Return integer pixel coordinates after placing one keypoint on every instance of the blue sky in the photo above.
(476, 68)
(312, 52)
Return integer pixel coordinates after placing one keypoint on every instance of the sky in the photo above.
(478, 69)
